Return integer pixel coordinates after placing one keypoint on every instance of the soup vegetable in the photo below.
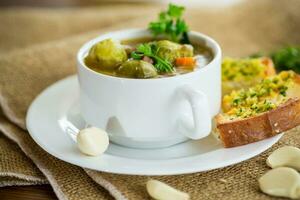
(151, 57)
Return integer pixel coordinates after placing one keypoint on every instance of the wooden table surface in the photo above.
(40, 192)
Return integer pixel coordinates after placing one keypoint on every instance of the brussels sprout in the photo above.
(106, 55)
(137, 69)
(170, 51)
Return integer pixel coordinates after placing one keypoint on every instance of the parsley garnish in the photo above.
(171, 25)
(151, 50)
(287, 59)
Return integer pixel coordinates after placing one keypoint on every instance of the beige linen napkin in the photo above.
(11, 172)
(251, 27)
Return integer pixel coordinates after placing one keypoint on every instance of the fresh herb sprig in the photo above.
(287, 59)
(151, 50)
(171, 24)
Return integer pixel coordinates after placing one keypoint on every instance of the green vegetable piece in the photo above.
(170, 51)
(137, 69)
(171, 25)
(287, 59)
(151, 50)
(106, 55)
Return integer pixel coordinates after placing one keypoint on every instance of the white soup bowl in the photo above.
(151, 113)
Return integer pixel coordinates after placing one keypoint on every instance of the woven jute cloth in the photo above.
(38, 47)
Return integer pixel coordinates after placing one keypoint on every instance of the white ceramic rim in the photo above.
(216, 50)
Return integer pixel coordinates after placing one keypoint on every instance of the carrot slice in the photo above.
(185, 61)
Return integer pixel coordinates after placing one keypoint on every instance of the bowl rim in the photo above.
(214, 47)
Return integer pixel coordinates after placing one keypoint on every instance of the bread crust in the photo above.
(256, 128)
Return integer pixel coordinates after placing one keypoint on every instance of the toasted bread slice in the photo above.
(248, 118)
(244, 73)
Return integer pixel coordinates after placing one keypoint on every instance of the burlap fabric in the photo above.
(46, 55)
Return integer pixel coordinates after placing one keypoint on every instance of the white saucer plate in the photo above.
(53, 120)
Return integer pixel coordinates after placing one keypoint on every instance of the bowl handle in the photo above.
(200, 125)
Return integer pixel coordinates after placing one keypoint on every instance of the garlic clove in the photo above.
(92, 141)
(281, 182)
(287, 156)
(161, 191)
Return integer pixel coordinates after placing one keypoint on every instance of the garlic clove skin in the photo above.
(92, 141)
(161, 191)
(281, 182)
(287, 156)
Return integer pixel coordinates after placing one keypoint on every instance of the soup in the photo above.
(145, 58)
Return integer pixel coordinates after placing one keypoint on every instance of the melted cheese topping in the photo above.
(242, 69)
(265, 96)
